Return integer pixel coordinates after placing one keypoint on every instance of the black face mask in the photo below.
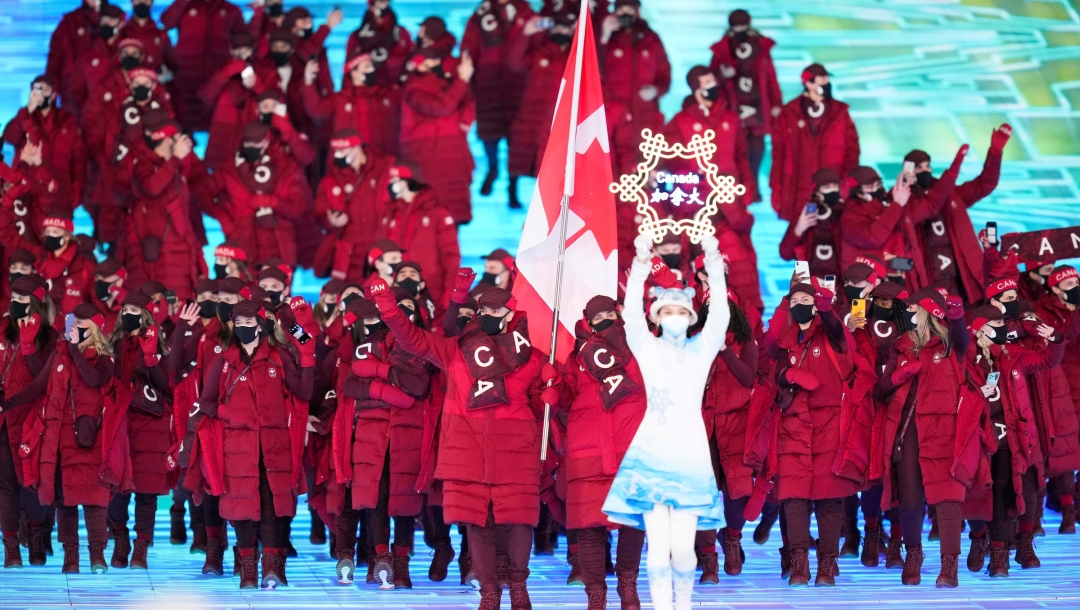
(896, 279)
(141, 93)
(246, 334)
(410, 285)
(129, 62)
(1012, 310)
(742, 36)
(369, 79)
(492, 325)
(274, 296)
(250, 154)
(1072, 295)
(280, 58)
(924, 179)
(14, 276)
(274, 10)
(371, 329)
(488, 278)
(999, 337)
(220, 271)
(142, 11)
(18, 310)
(671, 260)
(131, 321)
(305, 34)
(711, 94)
(852, 293)
(349, 299)
(802, 313)
(561, 39)
(266, 117)
(879, 194)
(462, 322)
(602, 325)
(408, 312)
(224, 310)
(150, 142)
(207, 309)
(626, 21)
(882, 313)
(907, 321)
(341, 162)
(101, 290)
(53, 242)
(826, 91)
(832, 198)
(107, 31)
(83, 333)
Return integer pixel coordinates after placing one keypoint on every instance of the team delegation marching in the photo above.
(914, 362)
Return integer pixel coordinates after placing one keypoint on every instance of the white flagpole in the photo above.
(564, 210)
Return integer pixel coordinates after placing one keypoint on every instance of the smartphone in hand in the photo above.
(992, 233)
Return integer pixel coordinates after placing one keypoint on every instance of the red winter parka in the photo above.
(489, 444)
(259, 406)
(157, 49)
(70, 40)
(820, 245)
(202, 47)
(498, 88)
(428, 235)
(543, 63)
(21, 216)
(435, 121)
(81, 384)
(1063, 385)
(160, 220)
(750, 76)
(802, 145)
(25, 370)
(375, 112)
(632, 59)
(142, 389)
(607, 408)
(388, 43)
(233, 105)
(63, 153)
(727, 398)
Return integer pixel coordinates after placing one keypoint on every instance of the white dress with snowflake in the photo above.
(668, 462)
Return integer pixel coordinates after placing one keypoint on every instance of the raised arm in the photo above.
(638, 336)
(715, 330)
(417, 341)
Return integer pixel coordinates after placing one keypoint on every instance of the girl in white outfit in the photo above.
(665, 483)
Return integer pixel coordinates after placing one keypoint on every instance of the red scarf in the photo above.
(491, 358)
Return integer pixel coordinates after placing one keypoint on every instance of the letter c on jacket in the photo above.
(484, 363)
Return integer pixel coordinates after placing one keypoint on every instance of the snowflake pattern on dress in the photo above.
(659, 401)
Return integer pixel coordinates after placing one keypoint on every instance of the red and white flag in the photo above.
(582, 171)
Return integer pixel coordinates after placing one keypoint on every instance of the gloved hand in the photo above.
(27, 333)
(550, 395)
(549, 374)
(802, 378)
(905, 371)
(307, 353)
(823, 299)
(711, 246)
(662, 275)
(753, 507)
(954, 307)
(368, 368)
(462, 283)
(391, 395)
(301, 310)
(643, 244)
(1000, 137)
(149, 344)
(379, 292)
(959, 158)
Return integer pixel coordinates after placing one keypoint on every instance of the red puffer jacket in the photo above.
(1056, 314)
(948, 413)
(375, 112)
(161, 214)
(608, 406)
(810, 431)
(81, 385)
(727, 398)
(389, 44)
(234, 106)
(157, 48)
(543, 64)
(498, 88)
(751, 59)
(362, 195)
(435, 119)
(632, 59)
(427, 232)
(143, 391)
(202, 47)
(820, 245)
(71, 40)
(798, 153)
(260, 406)
(99, 64)
(1058, 391)
(488, 454)
(384, 420)
(24, 378)
(21, 216)
(265, 198)
(63, 153)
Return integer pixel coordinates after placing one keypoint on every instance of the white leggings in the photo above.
(671, 555)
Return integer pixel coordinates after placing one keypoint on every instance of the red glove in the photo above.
(549, 374)
(823, 299)
(959, 158)
(905, 371)
(379, 292)
(802, 378)
(149, 344)
(159, 312)
(368, 368)
(462, 285)
(1000, 137)
(307, 353)
(662, 275)
(753, 507)
(302, 312)
(550, 395)
(27, 334)
(954, 308)
(390, 394)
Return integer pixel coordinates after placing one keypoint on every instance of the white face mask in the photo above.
(675, 325)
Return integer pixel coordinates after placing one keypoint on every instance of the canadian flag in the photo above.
(576, 163)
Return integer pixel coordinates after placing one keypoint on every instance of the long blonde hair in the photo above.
(927, 327)
(96, 340)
